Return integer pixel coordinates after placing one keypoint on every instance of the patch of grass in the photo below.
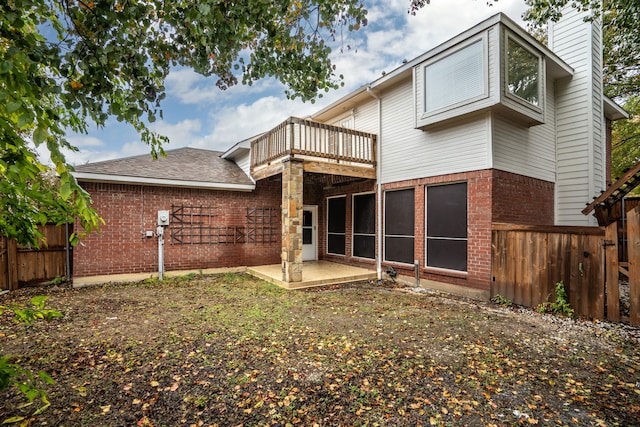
(500, 300)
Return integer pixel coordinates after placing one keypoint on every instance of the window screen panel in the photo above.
(455, 78)
(364, 246)
(364, 226)
(446, 226)
(336, 244)
(449, 254)
(307, 236)
(307, 218)
(364, 214)
(336, 225)
(447, 211)
(399, 212)
(337, 212)
(399, 249)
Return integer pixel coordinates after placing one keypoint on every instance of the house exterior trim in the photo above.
(122, 179)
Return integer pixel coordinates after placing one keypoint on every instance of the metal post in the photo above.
(160, 232)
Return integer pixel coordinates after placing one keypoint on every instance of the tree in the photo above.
(65, 64)
(620, 23)
(626, 139)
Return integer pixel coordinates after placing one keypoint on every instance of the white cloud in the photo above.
(181, 134)
(82, 141)
(234, 124)
(191, 88)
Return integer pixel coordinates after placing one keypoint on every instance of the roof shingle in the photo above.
(183, 164)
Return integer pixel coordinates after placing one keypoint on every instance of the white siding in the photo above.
(580, 141)
(409, 153)
(244, 162)
(525, 150)
(366, 117)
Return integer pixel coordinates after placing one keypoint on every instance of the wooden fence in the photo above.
(24, 265)
(528, 261)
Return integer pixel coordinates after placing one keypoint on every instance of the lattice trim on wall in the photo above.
(200, 225)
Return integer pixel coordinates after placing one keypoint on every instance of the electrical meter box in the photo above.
(163, 217)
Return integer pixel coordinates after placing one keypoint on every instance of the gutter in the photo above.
(378, 183)
(135, 180)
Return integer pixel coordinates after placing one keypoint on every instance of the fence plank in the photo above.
(612, 283)
(540, 249)
(528, 262)
(633, 236)
(12, 264)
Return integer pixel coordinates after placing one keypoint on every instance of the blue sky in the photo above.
(197, 114)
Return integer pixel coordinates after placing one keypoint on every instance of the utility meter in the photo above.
(163, 217)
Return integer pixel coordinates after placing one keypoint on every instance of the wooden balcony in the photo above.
(323, 148)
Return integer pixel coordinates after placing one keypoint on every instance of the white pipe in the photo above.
(160, 231)
(378, 183)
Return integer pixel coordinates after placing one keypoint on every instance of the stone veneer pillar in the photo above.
(292, 181)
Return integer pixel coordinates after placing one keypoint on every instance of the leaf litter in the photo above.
(230, 350)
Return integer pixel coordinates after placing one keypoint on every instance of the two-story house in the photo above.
(409, 171)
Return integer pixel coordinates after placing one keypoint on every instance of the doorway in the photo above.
(309, 233)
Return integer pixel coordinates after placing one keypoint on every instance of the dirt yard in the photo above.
(231, 350)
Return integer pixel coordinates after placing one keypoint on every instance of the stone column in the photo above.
(292, 181)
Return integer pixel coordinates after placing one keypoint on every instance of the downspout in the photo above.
(378, 184)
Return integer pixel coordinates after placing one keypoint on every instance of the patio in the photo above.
(314, 273)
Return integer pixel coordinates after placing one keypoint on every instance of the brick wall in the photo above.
(131, 210)
(492, 196)
(522, 200)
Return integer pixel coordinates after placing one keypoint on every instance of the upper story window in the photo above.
(457, 78)
(523, 73)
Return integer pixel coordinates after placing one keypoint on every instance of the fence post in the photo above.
(612, 284)
(12, 263)
(633, 237)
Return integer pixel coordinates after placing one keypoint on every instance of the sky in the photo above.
(197, 114)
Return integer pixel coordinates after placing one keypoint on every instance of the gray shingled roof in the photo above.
(183, 164)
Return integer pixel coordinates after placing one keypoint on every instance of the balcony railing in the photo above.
(307, 139)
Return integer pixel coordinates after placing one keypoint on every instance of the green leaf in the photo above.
(39, 300)
(5, 66)
(13, 420)
(65, 190)
(40, 135)
(24, 120)
(13, 106)
(46, 377)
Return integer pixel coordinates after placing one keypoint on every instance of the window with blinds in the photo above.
(457, 78)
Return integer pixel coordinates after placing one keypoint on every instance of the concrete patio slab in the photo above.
(79, 282)
(314, 273)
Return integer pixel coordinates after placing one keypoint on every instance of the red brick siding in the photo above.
(130, 210)
(492, 195)
(522, 200)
